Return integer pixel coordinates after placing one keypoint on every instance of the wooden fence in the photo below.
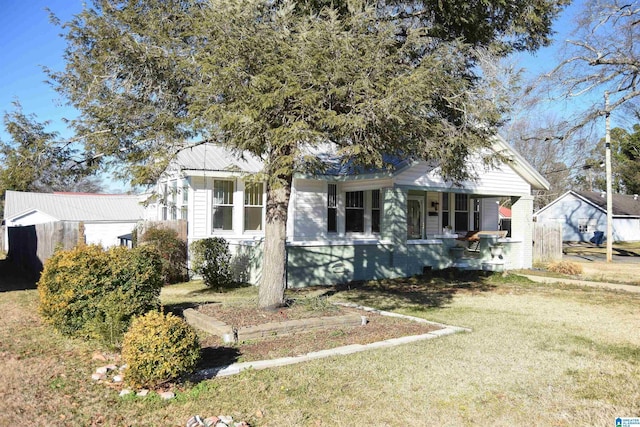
(180, 226)
(547, 242)
(30, 246)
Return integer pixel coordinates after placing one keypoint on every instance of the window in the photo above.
(253, 206)
(223, 205)
(354, 211)
(185, 192)
(476, 214)
(586, 225)
(375, 211)
(174, 200)
(332, 208)
(445, 210)
(164, 201)
(184, 209)
(461, 212)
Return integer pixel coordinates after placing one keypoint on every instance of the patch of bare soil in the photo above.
(378, 328)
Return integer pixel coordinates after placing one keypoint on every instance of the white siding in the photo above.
(199, 204)
(626, 229)
(503, 181)
(571, 211)
(309, 216)
(106, 234)
(31, 218)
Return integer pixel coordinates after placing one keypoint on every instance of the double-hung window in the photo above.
(354, 211)
(184, 209)
(174, 200)
(223, 205)
(375, 211)
(461, 213)
(253, 206)
(332, 208)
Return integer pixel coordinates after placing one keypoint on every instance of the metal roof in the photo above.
(213, 157)
(75, 206)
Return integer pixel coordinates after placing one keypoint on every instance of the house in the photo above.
(348, 225)
(105, 217)
(582, 213)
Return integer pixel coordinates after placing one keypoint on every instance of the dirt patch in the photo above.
(378, 328)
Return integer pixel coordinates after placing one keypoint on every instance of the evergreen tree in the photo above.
(276, 78)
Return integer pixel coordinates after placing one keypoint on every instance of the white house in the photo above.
(582, 213)
(352, 225)
(105, 216)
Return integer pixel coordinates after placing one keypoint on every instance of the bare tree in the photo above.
(603, 55)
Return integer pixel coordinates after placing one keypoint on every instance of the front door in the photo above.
(414, 218)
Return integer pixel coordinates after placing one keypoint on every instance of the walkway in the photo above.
(614, 286)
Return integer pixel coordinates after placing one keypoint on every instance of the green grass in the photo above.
(538, 355)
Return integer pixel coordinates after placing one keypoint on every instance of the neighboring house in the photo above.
(582, 213)
(105, 216)
(351, 225)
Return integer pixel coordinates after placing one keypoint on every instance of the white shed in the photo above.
(105, 216)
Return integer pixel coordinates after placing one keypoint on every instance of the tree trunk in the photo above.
(273, 281)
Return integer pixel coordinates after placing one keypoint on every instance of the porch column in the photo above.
(394, 227)
(522, 230)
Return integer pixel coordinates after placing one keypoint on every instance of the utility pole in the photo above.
(607, 158)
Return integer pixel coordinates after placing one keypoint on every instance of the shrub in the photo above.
(88, 292)
(565, 267)
(212, 260)
(159, 348)
(173, 251)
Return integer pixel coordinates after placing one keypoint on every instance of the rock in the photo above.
(98, 377)
(117, 378)
(99, 356)
(224, 421)
(143, 392)
(259, 414)
(125, 392)
(102, 370)
(211, 421)
(123, 367)
(195, 421)
(167, 395)
(241, 424)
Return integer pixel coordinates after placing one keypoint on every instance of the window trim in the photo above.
(228, 203)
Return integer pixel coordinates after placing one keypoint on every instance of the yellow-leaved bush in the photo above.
(158, 348)
(89, 292)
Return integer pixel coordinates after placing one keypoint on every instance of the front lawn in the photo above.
(538, 355)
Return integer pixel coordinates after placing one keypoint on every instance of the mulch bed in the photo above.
(378, 328)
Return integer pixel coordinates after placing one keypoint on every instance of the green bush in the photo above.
(212, 260)
(159, 348)
(88, 292)
(173, 251)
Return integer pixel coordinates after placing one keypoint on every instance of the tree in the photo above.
(602, 55)
(37, 160)
(275, 78)
(625, 156)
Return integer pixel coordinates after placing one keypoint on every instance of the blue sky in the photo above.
(27, 41)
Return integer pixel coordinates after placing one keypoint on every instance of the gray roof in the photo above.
(213, 157)
(622, 204)
(75, 206)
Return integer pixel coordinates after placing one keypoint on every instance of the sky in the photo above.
(28, 41)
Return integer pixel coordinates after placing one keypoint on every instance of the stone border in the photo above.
(236, 368)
